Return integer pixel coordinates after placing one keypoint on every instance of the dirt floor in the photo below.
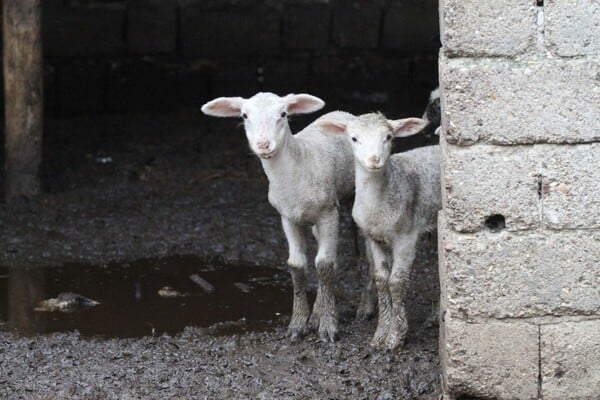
(126, 188)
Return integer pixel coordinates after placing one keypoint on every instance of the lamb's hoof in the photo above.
(313, 321)
(328, 330)
(294, 334)
(296, 330)
(380, 336)
(394, 340)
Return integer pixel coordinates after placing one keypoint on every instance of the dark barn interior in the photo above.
(138, 184)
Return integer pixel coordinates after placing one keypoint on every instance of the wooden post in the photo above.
(23, 96)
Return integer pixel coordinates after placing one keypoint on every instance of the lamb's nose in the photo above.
(374, 159)
(263, 144)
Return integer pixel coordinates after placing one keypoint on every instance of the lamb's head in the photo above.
(264, 116)
(371, 136)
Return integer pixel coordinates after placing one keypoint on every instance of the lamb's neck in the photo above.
(286, 159)
(370, 185)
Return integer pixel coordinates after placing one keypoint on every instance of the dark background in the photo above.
(123, 73)
(117, 56)
(133, 172)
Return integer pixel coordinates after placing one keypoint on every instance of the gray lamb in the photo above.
(397, 198)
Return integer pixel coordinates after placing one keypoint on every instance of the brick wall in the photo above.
(164, 55)
(520, 227)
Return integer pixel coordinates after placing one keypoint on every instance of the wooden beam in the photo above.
(23, 96)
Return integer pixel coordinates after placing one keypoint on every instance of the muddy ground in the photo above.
(125, 188)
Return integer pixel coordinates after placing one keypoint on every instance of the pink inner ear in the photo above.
(407, 126)
(333, 127)
(299, 105)
(226, 107)
(303, 103)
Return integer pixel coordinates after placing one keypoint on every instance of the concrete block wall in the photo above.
(520, 227)
(135, 55)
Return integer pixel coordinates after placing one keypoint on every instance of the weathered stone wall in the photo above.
(164, 55)
(520, 228)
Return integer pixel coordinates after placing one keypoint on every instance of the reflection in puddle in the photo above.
(134, 302)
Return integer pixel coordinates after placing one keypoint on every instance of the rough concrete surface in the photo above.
(571, 177)
(489, 360)
(509, 186)
(530, 100)
(520, 274)
(570, 354)
(572, 27)
(545, 185)
(502, 28)
(124, 188)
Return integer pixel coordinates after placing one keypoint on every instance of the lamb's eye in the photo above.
(245, 116)
(388, 137)
(283, 114)
(354, 139)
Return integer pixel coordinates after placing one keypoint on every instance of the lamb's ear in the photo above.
(302, 103)
(224, 107)
(407, 126)
(332, 127)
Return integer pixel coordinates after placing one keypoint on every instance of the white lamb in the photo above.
(397, 198)
(309, 174)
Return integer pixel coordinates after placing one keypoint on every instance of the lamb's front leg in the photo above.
(382, 274)
(404, 255)
(326, 264)
(296, 238)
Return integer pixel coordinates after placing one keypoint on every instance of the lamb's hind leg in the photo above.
(313, 322)
(297, 262)
(404, 255)
(326, 265)
(368, 299)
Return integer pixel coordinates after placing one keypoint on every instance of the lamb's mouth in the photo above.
(266, 156)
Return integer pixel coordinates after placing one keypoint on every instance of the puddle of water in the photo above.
(130, 304)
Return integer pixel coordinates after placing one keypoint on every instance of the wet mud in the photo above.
(143, 298)
(181, 195)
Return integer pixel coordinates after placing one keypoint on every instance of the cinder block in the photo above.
(151, 26)
(572, 27)
(513, 102)
(570, 354)
(571, 177)
(152, 86)
(544, 185)
(490, 360)
(356, 23)
(519, 274)
(306, 26)
(482, 181)
(487, 28)
(228, 30)
(412, 27)
(83, 31)
(81, 86)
